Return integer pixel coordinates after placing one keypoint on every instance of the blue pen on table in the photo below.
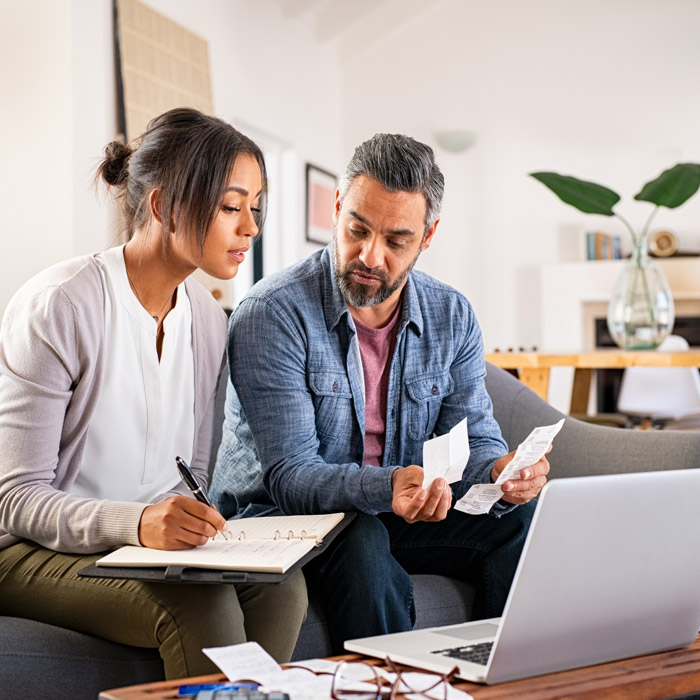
(186, 690)
(190, 480)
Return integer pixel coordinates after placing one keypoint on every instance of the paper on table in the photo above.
(299, 684)
(316, 665)
(446, 455)
(481, 497)
(244, 662)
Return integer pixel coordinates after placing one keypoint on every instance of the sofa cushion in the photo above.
(40, 660)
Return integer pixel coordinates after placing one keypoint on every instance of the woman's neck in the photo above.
(152, 279)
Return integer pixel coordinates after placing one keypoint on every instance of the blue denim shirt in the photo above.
(293, 434)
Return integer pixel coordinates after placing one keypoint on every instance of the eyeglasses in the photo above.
(362, 681)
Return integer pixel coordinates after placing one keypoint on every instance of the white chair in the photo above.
(661, 394)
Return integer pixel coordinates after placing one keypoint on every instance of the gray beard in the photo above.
(361, 296)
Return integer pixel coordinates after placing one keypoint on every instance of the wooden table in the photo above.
(650, 677)
(534, 368)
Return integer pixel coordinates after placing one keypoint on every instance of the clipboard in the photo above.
(190, 574)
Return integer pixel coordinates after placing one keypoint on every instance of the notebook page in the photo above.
(284, 526)
(274, 556)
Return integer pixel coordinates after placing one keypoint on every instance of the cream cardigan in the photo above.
(51, 362)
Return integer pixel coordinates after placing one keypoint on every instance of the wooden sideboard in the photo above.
(534, 368)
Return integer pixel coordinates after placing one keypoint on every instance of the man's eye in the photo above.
(357, 232)
(397, 244)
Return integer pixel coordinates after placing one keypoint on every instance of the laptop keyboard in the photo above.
(475, 653)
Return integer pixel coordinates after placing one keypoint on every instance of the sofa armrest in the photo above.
(585, 449)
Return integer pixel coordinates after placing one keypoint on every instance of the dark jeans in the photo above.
(364, 577)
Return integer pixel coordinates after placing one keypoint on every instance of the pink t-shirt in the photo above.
(376, 349)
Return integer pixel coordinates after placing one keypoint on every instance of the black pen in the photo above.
(190, 480)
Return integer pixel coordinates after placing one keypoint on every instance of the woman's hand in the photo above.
(179, 523)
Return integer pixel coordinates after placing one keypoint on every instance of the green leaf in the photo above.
(587, 197)
(673, 187)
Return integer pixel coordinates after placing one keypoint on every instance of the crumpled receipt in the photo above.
(481, 497)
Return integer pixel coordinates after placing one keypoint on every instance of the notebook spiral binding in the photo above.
(279, 536)
(291, 535)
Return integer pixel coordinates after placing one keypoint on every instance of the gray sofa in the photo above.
(39, 660)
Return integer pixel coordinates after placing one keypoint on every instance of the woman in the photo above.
(109, 366)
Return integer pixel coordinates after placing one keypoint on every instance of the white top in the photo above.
(144, 414)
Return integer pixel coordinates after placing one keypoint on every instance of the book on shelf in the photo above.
(602, 246)
(275, 545)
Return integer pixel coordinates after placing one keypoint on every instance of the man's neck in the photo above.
(377, 316)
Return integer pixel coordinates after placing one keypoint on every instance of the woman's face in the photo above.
(230, 233)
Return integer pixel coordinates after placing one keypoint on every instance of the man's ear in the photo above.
(336, 207)
(428, 239)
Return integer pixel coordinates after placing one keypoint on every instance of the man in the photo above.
(343, 365)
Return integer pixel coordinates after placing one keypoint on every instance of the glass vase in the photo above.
(640, 312)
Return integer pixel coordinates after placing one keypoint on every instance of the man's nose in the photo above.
(372, 253)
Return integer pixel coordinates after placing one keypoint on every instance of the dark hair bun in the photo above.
(115, 166)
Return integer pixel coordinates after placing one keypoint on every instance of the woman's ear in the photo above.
(155, 203)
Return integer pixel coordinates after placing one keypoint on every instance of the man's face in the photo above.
(378, 238)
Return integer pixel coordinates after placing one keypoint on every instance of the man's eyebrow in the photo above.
(391, 232)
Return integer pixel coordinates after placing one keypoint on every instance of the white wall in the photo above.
(602, 89)
(37, 135)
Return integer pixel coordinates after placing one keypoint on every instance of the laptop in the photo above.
(610, 569)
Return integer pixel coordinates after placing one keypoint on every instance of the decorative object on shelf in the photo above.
(663, 244)
(640, 312)
(320, 197)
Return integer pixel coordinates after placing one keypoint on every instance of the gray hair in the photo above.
(400, 164)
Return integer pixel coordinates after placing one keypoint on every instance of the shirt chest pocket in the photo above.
(332, 399)
(425, 396)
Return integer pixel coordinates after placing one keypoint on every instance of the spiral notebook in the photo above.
(257, 547)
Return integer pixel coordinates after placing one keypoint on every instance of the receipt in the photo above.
(481, 497)
(446, 455)
(247, 661)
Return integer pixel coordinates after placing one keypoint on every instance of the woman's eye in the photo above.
(229, 210)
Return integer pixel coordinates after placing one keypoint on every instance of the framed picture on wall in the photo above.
(320, 197)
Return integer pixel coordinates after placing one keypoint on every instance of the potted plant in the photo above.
(640, 312)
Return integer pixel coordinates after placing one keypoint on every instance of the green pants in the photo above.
(178, 619)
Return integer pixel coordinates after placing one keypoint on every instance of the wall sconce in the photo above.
(455, 141)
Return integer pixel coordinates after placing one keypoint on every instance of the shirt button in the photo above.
(434, 390)
(335, 386)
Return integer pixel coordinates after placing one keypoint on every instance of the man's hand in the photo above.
(412, 502)
(179, 523)
(532, 479)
